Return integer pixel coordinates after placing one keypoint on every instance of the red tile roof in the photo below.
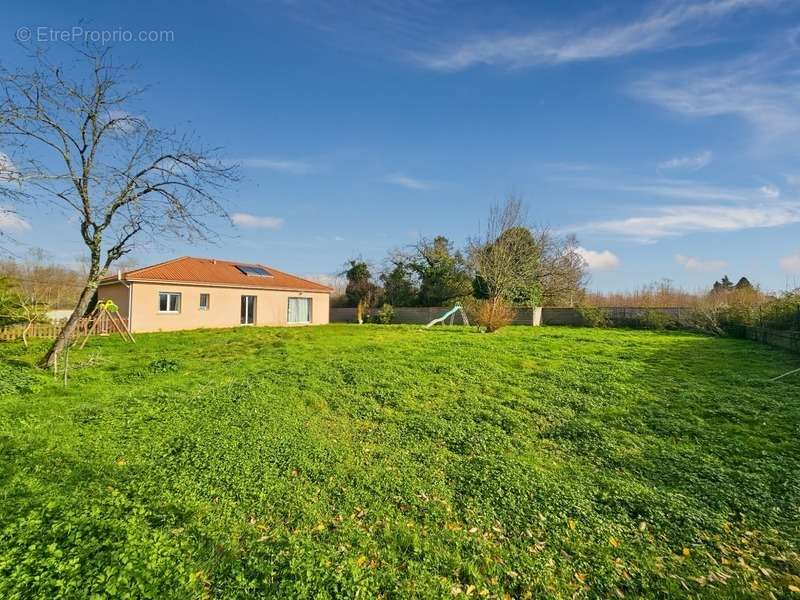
(212, 271)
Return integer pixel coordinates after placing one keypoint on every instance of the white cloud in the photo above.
(294, 167)
(793, 180)
(248, 221)
(688, 163)
(10, 221)
(689, 190)
(669, 221)
(8, 170)
(770, 191)
(762, 89)
(408, 182)
(790, 265)
(691, 263)
(678, 189)
(669, 25)
(598, 261)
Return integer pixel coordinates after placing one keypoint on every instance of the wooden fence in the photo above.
(50, 330)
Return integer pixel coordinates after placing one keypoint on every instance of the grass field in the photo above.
(348, 461)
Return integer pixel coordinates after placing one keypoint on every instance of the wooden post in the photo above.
(66, 363)
(121, 327)
(95, 319)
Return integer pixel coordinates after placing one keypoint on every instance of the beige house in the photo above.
(193, 293)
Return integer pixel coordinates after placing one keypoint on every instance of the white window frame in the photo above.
(169, 295)
(310, 310)
(253, 312)
(208, 302)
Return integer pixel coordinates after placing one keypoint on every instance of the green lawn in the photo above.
(376, 461)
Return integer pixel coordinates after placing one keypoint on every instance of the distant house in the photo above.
(192, 293)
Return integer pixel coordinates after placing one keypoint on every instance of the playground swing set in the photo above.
(106, 316)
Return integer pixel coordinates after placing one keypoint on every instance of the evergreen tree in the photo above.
(442, 271)
(398, 287)
(360, 290)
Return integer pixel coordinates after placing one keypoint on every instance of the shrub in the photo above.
(594, 316)
(385, 314)
(781, 313)
(491, 315)
(730, 313)
(162, 365)
(705, 317)
(655, 319)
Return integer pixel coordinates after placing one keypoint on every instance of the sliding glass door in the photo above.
(248, 310)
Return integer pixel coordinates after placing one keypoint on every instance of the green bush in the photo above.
(385, 314)
(656, 320)
(782, 313)
(732, 317)
(594, 316)
(162, 365)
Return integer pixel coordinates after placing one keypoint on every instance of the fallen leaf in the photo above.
(686, 552)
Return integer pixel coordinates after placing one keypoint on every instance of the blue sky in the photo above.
(666, 135)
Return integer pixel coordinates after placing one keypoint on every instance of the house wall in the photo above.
(117, 293)
(224, 309)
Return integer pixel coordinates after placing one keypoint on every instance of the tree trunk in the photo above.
(360, 312)
(25, 333)
(64, 336)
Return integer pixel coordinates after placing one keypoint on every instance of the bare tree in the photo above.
(37, 276)
(32, 308)
(523, 264)
(505, 257)
(75, 142)
(562, 274)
